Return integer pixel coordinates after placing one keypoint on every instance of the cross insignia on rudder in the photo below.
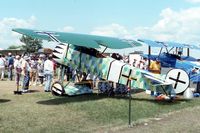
(177, 80)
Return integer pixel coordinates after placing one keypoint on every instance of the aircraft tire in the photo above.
(57, 89)
(104, 87)
(121, 89)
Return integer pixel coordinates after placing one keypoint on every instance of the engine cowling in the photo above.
(59, 53)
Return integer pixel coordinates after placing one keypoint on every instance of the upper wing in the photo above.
(150, 43)
(160, 44)
(191, 46)
(174, 44)
(90, 41)
(168, 44)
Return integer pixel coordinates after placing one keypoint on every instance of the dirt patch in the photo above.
(185, 120)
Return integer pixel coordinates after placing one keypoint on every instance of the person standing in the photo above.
(180, 51)
(134, 63)
(198, 80)
(146, 63)
(198, 85)
(10, 66)
(48, 72)
(33, 73)
(2, 66)
(155, 67)
(25, 73)
(18, 69)
(40, 68)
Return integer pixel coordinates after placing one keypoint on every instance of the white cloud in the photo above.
(180, 26)
(68, 29)
(114, 30)
(193, 1)
(7, 36)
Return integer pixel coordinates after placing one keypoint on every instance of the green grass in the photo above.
(42, 112)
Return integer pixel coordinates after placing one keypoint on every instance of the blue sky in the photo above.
(169, 20)
(86, 14)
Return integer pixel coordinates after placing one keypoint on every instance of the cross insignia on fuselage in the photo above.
(129, 78)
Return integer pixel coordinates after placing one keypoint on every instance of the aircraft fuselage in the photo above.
(109, 69)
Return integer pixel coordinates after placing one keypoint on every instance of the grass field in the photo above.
(41, 112)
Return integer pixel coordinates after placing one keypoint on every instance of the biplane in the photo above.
(79, 51)
(173, 56)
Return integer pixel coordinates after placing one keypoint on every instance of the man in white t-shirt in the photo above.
(48, 72)
(2, 66)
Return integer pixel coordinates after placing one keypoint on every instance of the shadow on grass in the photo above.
(4, 100)
(70, 99)
(93, 97)
(33, 91)
(161, 102)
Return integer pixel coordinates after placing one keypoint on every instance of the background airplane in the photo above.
(79, 52)
(171, 55)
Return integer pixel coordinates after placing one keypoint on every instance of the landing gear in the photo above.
(111, 89)
(57, 89)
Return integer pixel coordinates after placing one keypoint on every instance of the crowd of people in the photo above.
(28, 70)
(143, 63)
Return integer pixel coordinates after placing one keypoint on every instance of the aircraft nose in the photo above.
(59, 53)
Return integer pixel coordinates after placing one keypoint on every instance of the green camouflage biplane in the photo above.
(80, 52)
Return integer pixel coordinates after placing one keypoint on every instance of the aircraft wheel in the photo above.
(57, 89)
(121, 89)
(104, 87)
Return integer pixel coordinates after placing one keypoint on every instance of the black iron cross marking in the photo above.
(177, 80)
(129, 78)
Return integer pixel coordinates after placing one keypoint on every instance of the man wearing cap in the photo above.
(10, 66)
(25, 73)
(18, 69)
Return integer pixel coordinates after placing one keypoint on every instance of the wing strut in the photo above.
(160, 52)
(104, 50)
(171, 49)
(51, 36)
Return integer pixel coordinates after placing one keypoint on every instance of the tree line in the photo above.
(31, 45)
